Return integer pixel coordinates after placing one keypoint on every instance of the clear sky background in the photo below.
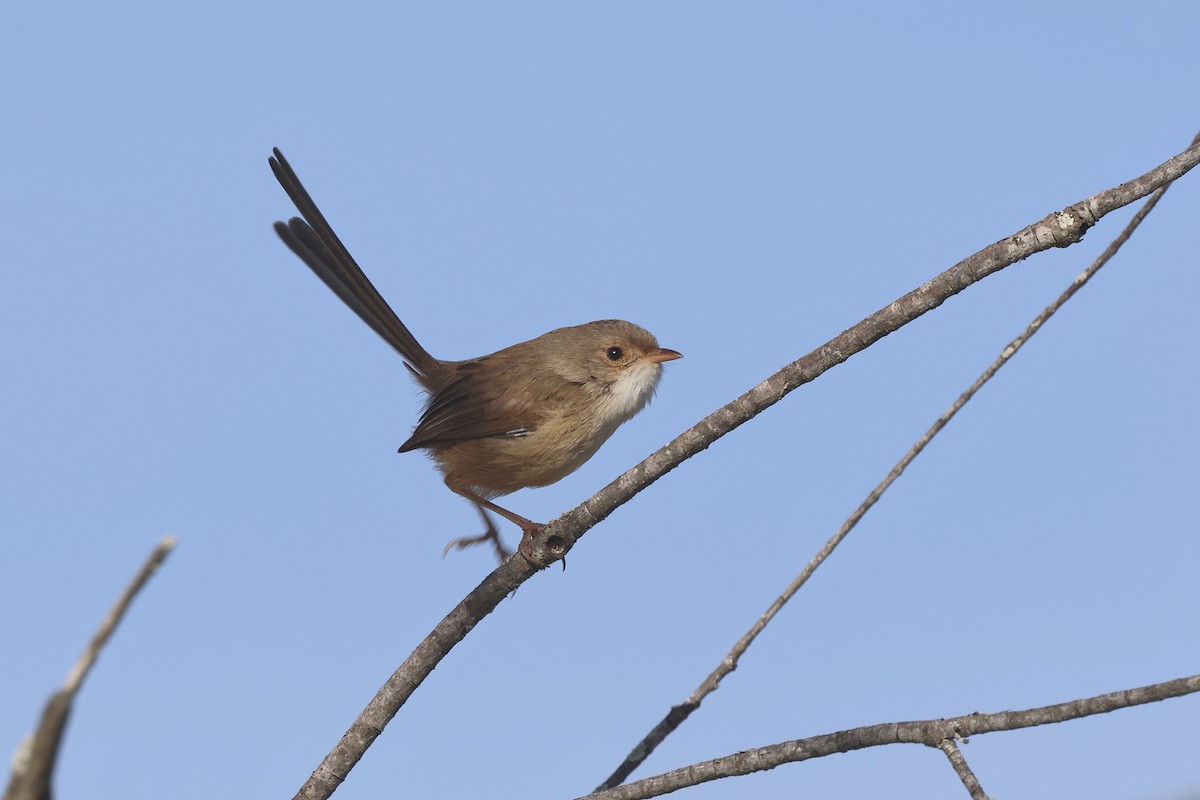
(745, 180)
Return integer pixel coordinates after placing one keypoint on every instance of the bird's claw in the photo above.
(502, 552)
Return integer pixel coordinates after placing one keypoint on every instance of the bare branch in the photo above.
(33, 765)
(482, 600)
(729, 663)
(1059, 229)
(961, 767)
(928, 732)
(88, 659)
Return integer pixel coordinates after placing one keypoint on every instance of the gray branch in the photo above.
(932, 733)
(962, 769)
(729, 663)
(33, 764)
(1059, 229)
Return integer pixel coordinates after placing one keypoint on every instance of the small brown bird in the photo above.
(527, 415)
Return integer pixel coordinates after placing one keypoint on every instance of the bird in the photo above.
(524, 416)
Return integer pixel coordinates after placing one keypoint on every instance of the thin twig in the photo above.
(930, 732)
(33, 765)
(1060, 229)
(729, 663)
(963, 769)
(104, 633)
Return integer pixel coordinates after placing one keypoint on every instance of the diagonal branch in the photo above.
(729, 663)
(33, 764)
(962, 769)
(931, 732)
(1059, 229)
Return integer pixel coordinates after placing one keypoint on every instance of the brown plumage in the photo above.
(527, 415)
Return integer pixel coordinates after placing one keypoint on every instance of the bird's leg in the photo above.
(490, 535)
(528, 527)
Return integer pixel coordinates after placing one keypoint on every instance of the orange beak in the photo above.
(662, 354)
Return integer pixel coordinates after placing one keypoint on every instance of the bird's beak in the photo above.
(661, 354)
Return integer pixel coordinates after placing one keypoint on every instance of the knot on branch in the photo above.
(541, 548)
(1064, 228)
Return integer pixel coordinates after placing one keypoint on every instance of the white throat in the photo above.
(629, 393)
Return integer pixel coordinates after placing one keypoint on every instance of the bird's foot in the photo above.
(525, 548)
(492, 536)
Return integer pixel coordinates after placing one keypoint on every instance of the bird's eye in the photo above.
(614, 353)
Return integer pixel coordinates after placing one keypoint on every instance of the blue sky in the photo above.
(745, 180)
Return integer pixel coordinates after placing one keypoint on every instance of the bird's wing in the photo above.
(481, 399)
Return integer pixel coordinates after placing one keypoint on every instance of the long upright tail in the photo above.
(314, 241)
